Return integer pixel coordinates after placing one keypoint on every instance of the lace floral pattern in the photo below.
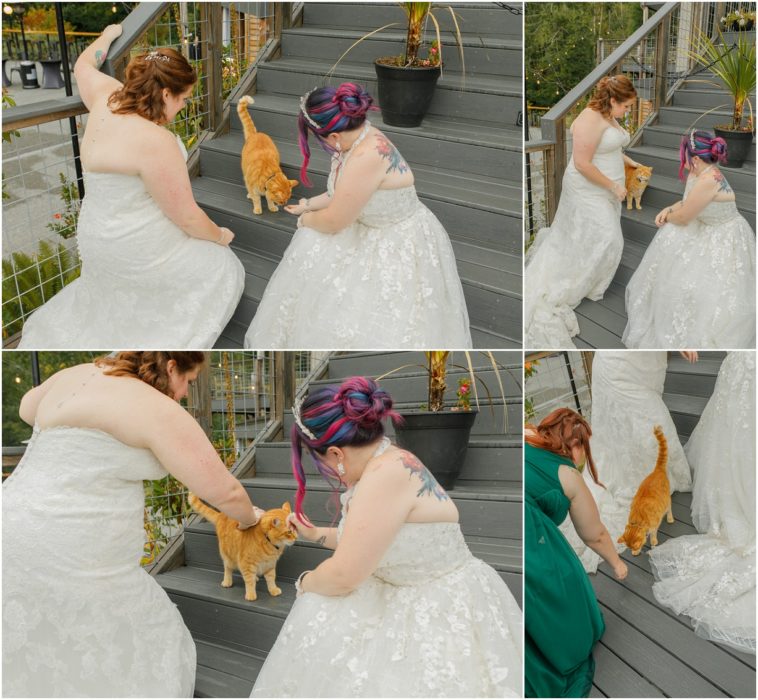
(80, 616)
(695, 286)
(711, 576)
(578, 255)
(432, 621)
(388, 280)
(627, 402)
(144, 282)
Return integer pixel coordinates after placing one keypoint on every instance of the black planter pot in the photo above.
(405, 93)
(439, 440)
(737, 145)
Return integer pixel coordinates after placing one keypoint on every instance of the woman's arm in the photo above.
(586, 519)
(27, 409)
(631, 163)
(587, 131)
(376, 512)
(324, 536)
(684, 211)
(90, 82)
(361, 178)
(305, 204)
(164, 172)
(181, 446)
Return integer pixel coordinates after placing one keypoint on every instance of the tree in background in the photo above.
(95, 16)
(560, 43)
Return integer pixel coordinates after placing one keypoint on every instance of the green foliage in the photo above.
(93, 16)
(530, 369)
(560, 40)
(8, 101)
(64, 224)
(30, 280)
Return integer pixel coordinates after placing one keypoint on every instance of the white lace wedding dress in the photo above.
(389, 280)
(627, 402)
(695, 286)
(711, 576)
(144, 283)
(431, 621)
(81, 618)
(577, 256)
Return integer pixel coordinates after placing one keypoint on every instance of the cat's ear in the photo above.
(286, 507)
(294, 183)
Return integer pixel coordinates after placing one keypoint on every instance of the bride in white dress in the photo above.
(695, 286)
(402, 608)
(156, 271)
(369, 265)
(627, 402)
(711, 576)
(81, 618)
(577, 256)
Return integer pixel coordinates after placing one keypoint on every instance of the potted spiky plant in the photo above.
(735, 66)
(439, 437)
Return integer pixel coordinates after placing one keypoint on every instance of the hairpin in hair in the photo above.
(307, 116)
(299, 421)
(155, 56)
(692, 139)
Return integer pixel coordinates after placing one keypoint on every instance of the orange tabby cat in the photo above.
(260, 165)
(254, 551)
(650, 503)
(636, 183)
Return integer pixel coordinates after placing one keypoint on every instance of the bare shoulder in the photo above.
(571, 480)
(408, 471)
(383, 151)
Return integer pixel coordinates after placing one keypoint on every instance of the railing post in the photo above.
(661, 63)
(287, 8)
(201, 397)
(551, 194)
(560, 161)
(284, 383)
(211, 54)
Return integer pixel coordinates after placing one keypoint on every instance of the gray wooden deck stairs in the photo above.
(466, 156)
(602, 323)
(648, 650)
(233, 636)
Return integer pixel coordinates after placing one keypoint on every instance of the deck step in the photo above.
(224, 672)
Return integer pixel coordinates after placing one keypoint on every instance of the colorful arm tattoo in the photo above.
(428, 482)
(100, 57)
(387, 150)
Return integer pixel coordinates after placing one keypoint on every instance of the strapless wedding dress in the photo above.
(389, 280)
(144, 283)
(431, 621)
(577, 256)
(81, 618)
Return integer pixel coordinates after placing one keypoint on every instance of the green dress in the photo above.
(561, 615)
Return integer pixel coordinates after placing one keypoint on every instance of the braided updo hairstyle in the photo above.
(146, 77)
(333, 109)
(703, 144)
(150, 366)
(560, 431)
(348, 414)
(618, 87)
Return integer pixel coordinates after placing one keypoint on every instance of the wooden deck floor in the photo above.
(649, 651)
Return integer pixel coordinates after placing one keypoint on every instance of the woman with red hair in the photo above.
(561, 614)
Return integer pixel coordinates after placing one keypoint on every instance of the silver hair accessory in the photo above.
(304, 111)
(155, 56)
(299, 421)
(692, 139)
(340, 469)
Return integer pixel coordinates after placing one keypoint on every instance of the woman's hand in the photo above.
(307, 532)
(297, 209)
(620, 570)
(619, 191)
(689, 355)
(259, 513)
(112, 32)
(227, 236)
(660, 218)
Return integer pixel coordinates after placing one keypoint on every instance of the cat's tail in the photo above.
(663, 448)
(199, 507)
(247, 123)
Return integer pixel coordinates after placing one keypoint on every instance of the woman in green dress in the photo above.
(562, 617)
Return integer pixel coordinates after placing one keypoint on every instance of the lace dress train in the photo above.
(577, 256)
(144, 283)
(711, 576)
(81, 618)
(431, 621)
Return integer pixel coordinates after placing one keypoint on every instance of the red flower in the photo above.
(56, 216)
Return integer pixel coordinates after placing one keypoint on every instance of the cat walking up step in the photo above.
(651, 502)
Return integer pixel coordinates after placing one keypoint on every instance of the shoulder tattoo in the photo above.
(429, 484)
(388, 152)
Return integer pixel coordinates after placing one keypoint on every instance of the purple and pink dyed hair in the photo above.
(707, 146)
(334, 109)
(348, 414)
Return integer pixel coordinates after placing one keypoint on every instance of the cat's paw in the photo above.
(251, 595)
(629, 205)
(638, 206)
(275, 591)
(226, 584)
(257, 210)
(273, 208)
